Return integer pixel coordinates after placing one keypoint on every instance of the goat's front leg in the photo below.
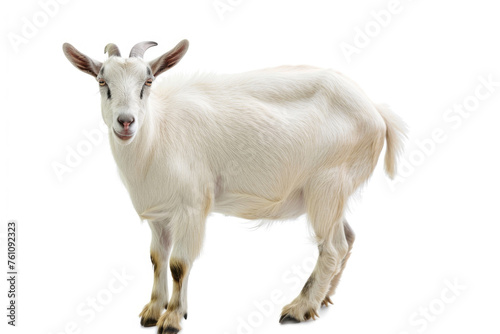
(160, 249)
(188, 237)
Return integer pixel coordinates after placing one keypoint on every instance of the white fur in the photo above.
(248, 143)
(267, 144)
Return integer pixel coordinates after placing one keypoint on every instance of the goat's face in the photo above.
(125, 83)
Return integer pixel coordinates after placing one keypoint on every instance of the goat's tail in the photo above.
(395, 136)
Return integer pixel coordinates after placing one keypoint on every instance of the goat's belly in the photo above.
(250, 206)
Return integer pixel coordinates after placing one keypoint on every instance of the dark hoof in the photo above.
(168, 330)
(288, 319)
(186, 316)
(148, 322)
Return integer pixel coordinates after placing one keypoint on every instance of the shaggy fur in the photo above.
(268, 144)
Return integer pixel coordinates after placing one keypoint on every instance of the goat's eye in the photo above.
(148, 82)
(102, 83)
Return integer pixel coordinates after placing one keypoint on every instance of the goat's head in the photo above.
(125, 83)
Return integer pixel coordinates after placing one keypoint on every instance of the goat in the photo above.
(268, 144)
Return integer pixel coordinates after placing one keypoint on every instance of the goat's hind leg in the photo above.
(350, 236)
(160, 249)
(325, 203)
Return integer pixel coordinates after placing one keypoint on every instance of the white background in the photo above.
(439, 223)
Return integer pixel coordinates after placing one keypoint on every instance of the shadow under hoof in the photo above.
(288, 319)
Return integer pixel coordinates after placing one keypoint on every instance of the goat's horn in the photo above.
(112, 50)
(139, 49)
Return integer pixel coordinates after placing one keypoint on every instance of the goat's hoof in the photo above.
(168, 330)
(186, 316)
(326, 301)
(148, 322)
(170, 322)
(150, 314)
(298, 311)
(288, 319)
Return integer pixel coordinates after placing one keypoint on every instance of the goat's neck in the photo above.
(133, 160)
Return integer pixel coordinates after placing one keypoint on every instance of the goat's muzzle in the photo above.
(126, 122)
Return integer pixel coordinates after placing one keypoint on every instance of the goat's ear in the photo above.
(169, 59)
(81, 61)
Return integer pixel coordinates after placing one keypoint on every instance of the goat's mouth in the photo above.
(124, 135)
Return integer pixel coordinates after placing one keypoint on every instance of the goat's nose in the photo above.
(125, 121)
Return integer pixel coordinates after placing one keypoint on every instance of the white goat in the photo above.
(267, 144)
